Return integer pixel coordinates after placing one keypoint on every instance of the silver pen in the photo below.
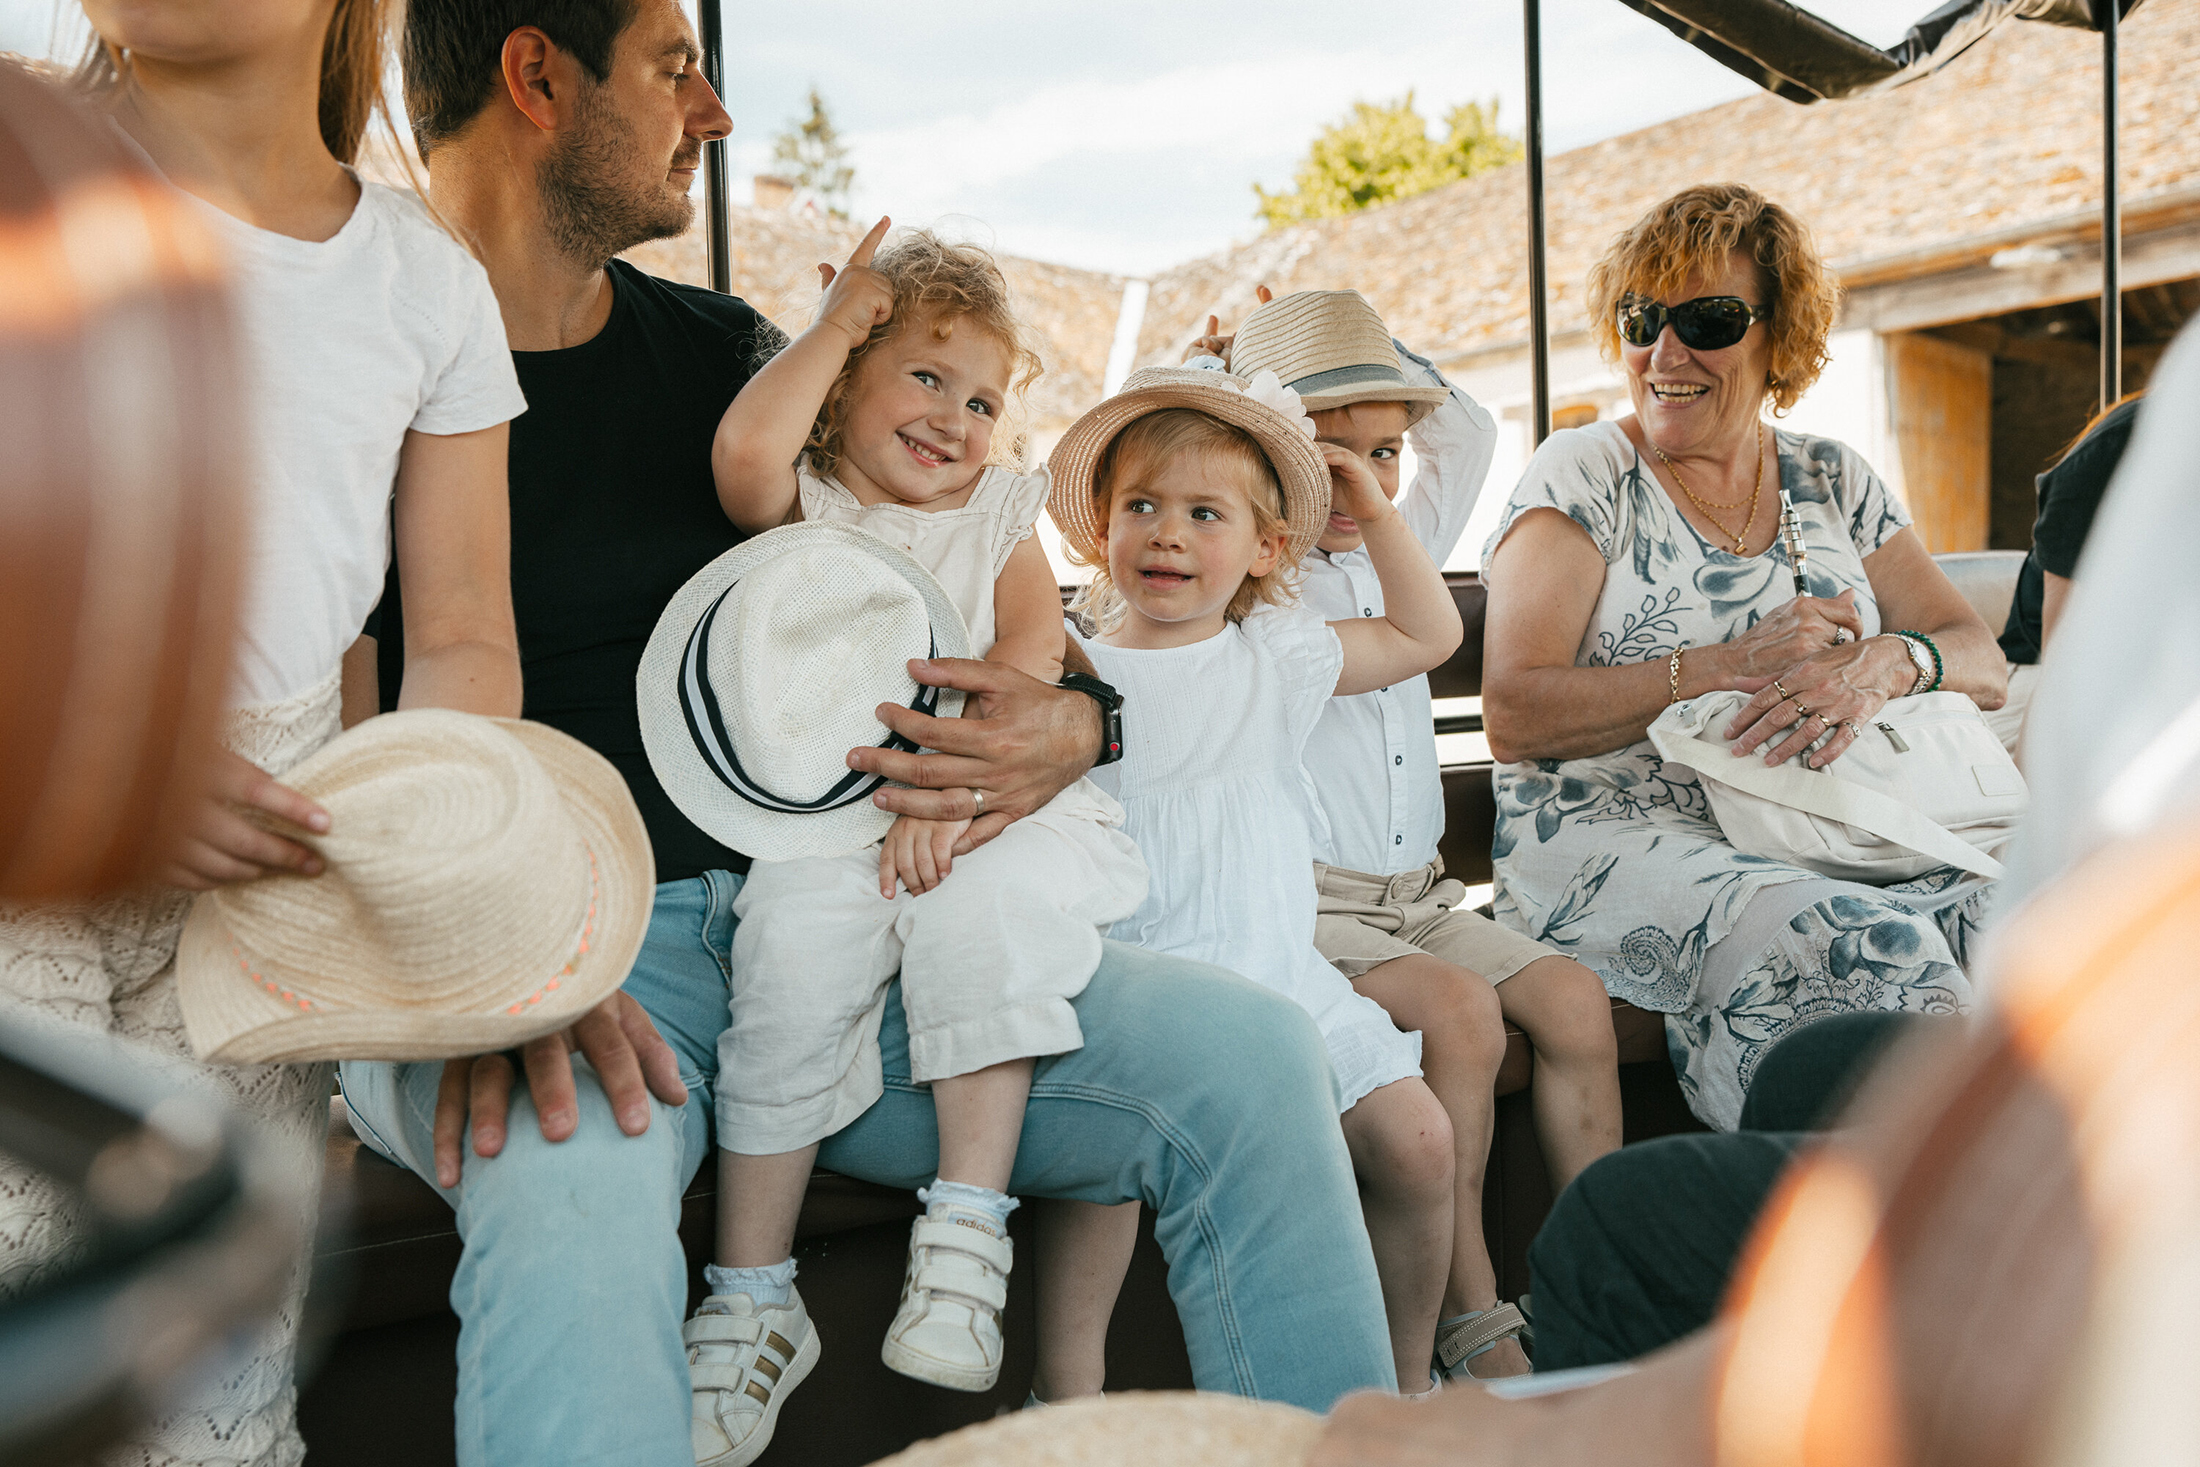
(1791, 535)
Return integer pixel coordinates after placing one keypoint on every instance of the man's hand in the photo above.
(917, 853)
(630, 1057)
(1025, 744)
(220, 844)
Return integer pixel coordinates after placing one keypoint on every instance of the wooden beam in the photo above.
(1963, 295)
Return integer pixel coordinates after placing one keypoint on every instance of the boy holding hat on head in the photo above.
(1390, 921)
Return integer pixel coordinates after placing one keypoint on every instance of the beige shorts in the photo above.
(1367, 920)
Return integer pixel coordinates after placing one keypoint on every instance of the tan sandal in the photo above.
(1477, 1334)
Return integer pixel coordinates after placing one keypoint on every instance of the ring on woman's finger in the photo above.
(1803, 714)
(1783, 692)
(977, 798)
(1842, 636)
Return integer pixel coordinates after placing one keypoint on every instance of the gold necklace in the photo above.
(1740, 543)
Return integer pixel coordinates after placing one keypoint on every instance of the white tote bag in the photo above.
(1925, 785)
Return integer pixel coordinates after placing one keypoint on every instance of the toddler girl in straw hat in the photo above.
(1390, 921)
(881, 415)
(1193, 494)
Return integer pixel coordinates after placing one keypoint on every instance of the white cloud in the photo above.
(1126, 136)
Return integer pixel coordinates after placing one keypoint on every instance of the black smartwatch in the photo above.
(1111, 713)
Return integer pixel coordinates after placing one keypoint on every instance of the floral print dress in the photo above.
(1617, 860)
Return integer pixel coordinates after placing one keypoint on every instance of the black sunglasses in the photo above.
(1706, 323)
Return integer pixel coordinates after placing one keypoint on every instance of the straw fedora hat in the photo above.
(768, 667)
(1135, 1429)
(1262, 407)
(488, 881)
(1330, 348)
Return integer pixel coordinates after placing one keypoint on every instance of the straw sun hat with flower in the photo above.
(1262, 407)
(488, 881)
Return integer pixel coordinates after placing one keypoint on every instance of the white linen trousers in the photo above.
(989, 961)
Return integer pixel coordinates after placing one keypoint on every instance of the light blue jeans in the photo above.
(1204, 1095)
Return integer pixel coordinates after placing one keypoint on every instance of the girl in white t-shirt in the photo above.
(1194, 495)
(375, 369)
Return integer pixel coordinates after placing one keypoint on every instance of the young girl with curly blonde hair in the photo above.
(883, 415)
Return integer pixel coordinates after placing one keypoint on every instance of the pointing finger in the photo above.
(869, 247)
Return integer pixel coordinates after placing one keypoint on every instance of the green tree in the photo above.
(810, 153)
(1384, 151)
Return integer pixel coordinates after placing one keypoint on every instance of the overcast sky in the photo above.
(1127, 136)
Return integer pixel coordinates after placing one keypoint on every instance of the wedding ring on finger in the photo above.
(1783, 692)
(977, 798)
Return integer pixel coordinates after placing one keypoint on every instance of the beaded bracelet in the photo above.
(1673, 672)
(1939, 668)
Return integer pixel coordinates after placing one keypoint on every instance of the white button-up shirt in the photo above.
(1372, 757)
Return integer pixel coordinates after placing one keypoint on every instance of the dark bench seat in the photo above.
(384, 1390)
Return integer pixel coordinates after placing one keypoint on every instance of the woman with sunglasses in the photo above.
(1640, 562)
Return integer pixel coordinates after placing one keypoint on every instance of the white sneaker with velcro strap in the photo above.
(948, 1330)
(743, 1361)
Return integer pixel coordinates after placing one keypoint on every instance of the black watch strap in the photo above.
(1111, 713)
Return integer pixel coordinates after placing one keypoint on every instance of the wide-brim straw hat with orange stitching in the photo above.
(1150, 1428)
(487, 881)
(1263, 407)
(1330, 348)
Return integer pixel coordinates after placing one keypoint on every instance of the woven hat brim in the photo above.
(232, 1020)
(1419, 401)
(1299, 466)
(688, 779)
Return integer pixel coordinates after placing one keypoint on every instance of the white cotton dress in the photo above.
(1214, 790)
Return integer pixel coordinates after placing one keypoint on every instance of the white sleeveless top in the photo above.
(964, 548)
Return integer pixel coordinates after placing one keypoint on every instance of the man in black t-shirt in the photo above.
(557, 134)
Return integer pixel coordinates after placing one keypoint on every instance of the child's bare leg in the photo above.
(1084, 1251)
(948, 1329)
(1462, 1045)
(1402, 1148)
(1568, 1017)
(981, 1116)
(759, 1199)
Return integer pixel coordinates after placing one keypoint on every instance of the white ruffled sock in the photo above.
(995, 1206)
(772, 1284)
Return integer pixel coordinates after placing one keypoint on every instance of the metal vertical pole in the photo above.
(712, 24)
(2112, 224)
(1539, 316)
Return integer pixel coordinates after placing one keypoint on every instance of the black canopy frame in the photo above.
(1782, 47)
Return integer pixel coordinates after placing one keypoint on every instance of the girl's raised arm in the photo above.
(1420, 624)
(1027, 615)
(752, 457)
